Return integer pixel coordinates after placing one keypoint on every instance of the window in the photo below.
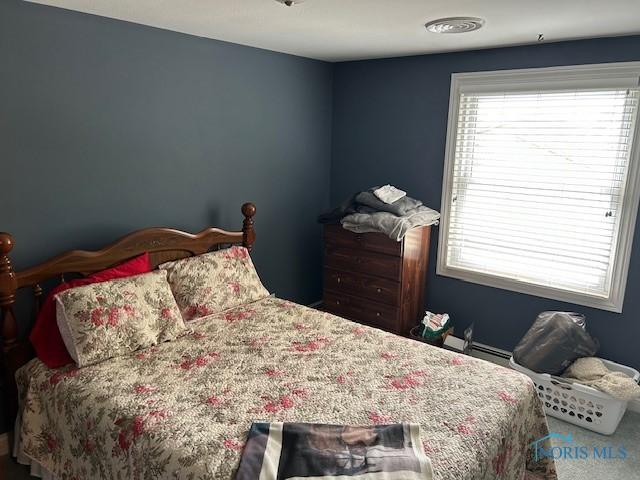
(541, 182)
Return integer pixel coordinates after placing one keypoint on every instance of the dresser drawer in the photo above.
(375, 242)
(374, 288)
(362, 310)
(362, 261)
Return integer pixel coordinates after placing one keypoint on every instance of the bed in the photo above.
(182, 409)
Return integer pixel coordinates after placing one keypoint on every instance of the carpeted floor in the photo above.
(627, 435)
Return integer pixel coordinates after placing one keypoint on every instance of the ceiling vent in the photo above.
(290, 3)
(455, 25)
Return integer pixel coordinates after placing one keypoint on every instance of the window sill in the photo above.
(603, 303)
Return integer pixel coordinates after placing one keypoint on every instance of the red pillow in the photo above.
(45, 336)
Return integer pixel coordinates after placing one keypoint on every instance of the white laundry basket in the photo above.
(579, 404)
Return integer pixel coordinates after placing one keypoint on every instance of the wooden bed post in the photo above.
(248, 233)
(8, 287)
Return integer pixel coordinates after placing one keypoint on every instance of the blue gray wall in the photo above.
(107, 127)
(390, 125)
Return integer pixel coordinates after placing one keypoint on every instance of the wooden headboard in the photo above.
(163, 244)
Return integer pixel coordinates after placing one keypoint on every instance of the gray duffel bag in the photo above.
(555, 341)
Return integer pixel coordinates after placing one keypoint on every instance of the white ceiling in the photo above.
(336, 30)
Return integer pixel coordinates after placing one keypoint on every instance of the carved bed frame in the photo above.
(163, 244)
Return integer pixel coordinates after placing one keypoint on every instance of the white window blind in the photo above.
(537, 186)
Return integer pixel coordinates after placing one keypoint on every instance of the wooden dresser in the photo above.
(371, 279)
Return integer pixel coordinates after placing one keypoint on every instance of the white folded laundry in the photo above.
(389, 194)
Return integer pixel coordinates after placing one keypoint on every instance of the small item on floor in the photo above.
(554, 341)
(468, 340)
(437, 341)
(433, 329)
(301, 450)
(460, 345)
(434, 324)
(593, 372)
(389, 193)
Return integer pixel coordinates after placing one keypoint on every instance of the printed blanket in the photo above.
(297, 451)
(183, 409)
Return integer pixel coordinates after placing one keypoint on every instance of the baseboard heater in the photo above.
(498, 352)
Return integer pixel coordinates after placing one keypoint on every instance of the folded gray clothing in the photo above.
(364, 209)
(335, 215)
(396, 227)
(400, 207)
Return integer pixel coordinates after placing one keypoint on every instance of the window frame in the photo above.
(607, 75)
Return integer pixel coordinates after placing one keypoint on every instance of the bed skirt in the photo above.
(36, 470)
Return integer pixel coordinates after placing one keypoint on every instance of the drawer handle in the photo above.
(337, 302)
(378, 290)
(339, 280)
(358, 238)
(378, 314)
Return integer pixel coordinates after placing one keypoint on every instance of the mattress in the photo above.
(182, 409)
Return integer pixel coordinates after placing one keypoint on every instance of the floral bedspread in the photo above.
(182, 409)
